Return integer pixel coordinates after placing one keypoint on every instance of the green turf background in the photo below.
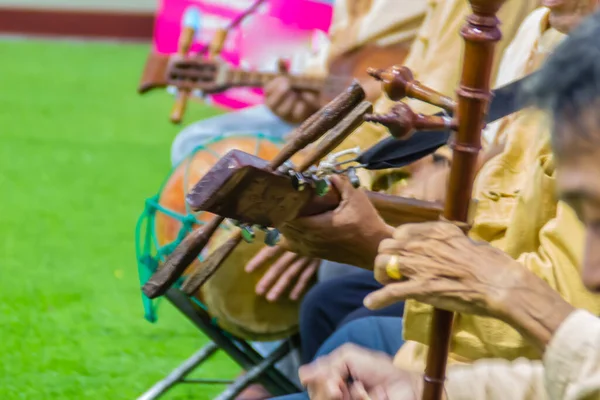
(79, 153)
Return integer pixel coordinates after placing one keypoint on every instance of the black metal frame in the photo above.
(258, 369)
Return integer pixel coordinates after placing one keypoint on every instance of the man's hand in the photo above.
(349, 235)
(444, 268)
(352, 372)
(293, 106)
(287, 269)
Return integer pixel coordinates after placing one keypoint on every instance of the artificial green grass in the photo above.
(79, 153)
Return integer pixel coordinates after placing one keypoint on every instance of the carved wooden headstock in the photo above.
(230, 172)
(197, 73)
(209, 76)
(242, 187)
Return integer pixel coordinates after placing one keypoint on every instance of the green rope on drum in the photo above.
(149, 253)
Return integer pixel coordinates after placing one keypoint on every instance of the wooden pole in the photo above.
(481, 33)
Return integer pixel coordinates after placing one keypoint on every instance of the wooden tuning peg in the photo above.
(398, 83)
(185, 43)
(402, 122)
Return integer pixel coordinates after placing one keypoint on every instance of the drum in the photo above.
(229, 295)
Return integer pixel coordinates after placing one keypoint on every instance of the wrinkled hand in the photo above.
(350, 234)
(293, 106)
(354, 373)
(287, 270)
(446, 269)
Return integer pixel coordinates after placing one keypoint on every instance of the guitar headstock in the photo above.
(242, 187)
(208, 76)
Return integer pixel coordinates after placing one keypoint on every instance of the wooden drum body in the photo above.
(229, 295)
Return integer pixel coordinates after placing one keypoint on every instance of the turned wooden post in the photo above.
(481, 33)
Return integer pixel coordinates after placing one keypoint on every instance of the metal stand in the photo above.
(259, 369)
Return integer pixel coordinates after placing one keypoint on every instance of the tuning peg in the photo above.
(353, 177)
(298, 180)
(272, 237)
(399, 82)
(247, 233)
(322, 186)
(395, 81)
(400, 121)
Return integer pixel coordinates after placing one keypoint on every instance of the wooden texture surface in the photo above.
(480, 33)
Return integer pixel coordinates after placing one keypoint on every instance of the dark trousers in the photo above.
(376, 333)
(331, 304)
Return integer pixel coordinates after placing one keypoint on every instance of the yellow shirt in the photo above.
(518, 213)
(435, 59)
(356, 23)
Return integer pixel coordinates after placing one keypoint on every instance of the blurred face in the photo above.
(578, 182)
(567, 14)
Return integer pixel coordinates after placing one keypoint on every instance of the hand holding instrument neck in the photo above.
(199, 74)
(330, 141)
(311, 130)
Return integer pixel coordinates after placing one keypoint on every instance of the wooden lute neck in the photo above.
(236, 77)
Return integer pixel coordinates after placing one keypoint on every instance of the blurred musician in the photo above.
(356, 24)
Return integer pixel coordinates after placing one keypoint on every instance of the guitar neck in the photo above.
(394, 210)
(243, 78)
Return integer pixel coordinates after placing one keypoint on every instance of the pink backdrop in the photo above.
(288, 29)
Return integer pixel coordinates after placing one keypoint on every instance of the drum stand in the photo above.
(259, 369)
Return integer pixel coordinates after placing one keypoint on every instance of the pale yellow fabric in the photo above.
(517, 212)
(436, 60)
(570, 369)
(356, 23)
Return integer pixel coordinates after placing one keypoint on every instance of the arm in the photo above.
(571, 369)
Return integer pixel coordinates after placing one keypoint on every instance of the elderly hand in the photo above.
(352, 372)
(350, 234)
(287, 270)
(290, 105)
(442, 267)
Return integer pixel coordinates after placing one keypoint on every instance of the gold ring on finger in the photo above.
(392, 268)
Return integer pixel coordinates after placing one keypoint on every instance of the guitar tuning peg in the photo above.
(272, 237)
(298, 180)
(322, 186)
(247, 233)
(172, 90)
(354, 179)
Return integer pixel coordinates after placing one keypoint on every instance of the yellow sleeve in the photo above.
(560, 256)
(557, 261)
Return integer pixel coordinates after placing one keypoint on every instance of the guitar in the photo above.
(215, 76)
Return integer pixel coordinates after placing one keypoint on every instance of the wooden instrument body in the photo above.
(229, 295)
(241, 187)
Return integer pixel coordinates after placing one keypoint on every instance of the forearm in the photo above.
(536, 311)
(367, 261)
